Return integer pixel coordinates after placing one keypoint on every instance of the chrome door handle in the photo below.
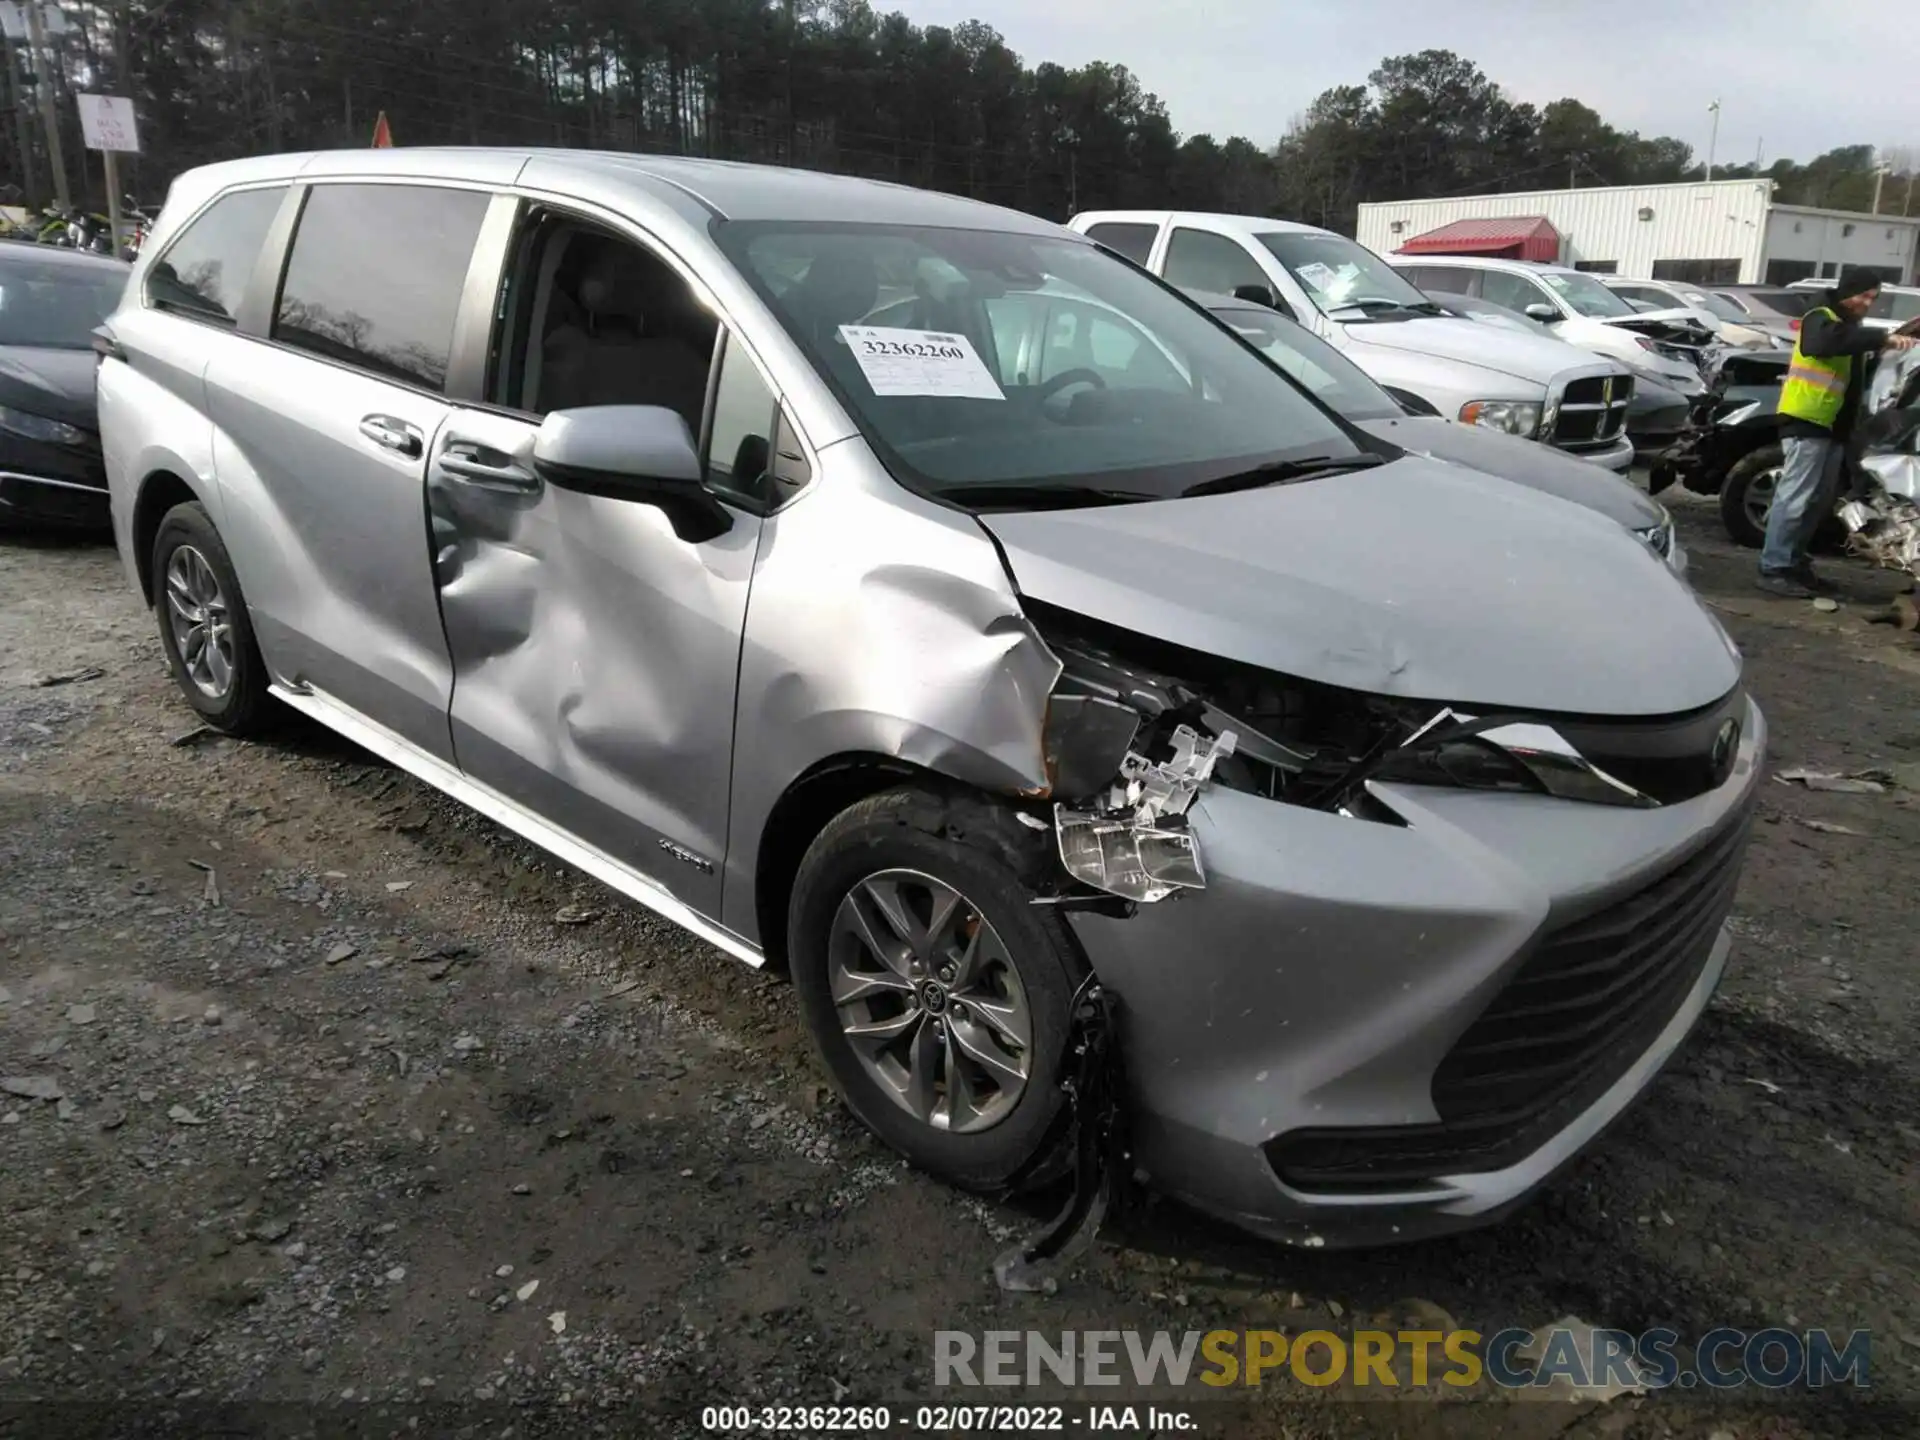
(395, 435)
(475, 465)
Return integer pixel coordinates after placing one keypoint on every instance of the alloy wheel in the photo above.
(1759, 496)
(930, 1001)
(202, 628)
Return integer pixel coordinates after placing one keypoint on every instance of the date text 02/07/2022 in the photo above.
(943, 1419)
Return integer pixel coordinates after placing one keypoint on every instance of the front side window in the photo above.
(205, 271)
(1898, 306)
(1517, 292)
(740, 445)
(1584, 295)
(383, 306)
(1201, 260)
(52, 305)
(980, 361)
(1348, 282)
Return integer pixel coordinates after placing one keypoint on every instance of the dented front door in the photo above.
(594, 654)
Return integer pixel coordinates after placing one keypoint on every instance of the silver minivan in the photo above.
(817, 563)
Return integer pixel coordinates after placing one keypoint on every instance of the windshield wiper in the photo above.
(1039, 496)
(1376, 306)
(1283, 472)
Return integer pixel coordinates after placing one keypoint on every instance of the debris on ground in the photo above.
(575, 915)
(198, 735)
(33, 1087)
(1570, 1333)
(341, 953)
(1833, 781)
(1825, 604)
(70, 677)
(1902, 613)
(1827, 827)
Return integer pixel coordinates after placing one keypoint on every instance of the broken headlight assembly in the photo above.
(1137, 728)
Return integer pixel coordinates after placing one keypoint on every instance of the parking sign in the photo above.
(106, 122)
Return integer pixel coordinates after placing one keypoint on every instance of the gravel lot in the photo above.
(335, 1093)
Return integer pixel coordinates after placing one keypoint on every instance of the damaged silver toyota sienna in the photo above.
(905, 593)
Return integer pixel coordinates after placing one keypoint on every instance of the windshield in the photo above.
(1345, 280)
(55, 307)
(1334, 380)
(1585, 294)
(984, 361)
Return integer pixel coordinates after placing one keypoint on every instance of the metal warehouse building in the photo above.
(1720, 232)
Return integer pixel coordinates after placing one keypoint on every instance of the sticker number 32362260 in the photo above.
(920, 362)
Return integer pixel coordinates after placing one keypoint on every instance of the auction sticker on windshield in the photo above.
(920, 362)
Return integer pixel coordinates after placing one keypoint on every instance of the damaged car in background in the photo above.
(1142, 771)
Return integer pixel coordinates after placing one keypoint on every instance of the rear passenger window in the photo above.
(376, 275)
(1439, 278)
(1132, 240)
(1201, 260)
(206, 269)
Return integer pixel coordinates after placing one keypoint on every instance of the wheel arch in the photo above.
(803, 810)
(160, 490)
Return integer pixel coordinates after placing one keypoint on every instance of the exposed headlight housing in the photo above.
(38, 427)
(1512, 417)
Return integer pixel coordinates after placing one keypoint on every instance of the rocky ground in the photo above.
(323, 1093)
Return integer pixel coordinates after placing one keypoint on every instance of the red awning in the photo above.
(1512, 237)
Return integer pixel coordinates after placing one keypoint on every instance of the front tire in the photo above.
(204, 626)
(1746, 495)
(935, 992)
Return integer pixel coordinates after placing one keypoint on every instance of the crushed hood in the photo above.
(1525, 357)
(1418, 579)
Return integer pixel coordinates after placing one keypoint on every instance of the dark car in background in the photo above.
(50, 302)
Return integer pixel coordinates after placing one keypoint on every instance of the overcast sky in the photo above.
(1797, 77)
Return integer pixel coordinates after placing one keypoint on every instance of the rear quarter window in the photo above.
(206, 270)
(1131, 239)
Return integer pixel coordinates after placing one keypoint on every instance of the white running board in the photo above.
(512, 816)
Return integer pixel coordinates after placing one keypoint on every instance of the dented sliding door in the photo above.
(595, 654)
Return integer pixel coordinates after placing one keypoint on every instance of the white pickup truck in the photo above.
(1539, 388)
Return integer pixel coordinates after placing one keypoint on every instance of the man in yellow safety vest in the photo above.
(1818, 404)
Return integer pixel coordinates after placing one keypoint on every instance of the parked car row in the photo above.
(1046, 666)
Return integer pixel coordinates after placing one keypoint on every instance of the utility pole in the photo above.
(1713, 141)
(1879, 179)
(43, 88)
(1756, 154)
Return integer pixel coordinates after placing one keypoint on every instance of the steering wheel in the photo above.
(1050, 388)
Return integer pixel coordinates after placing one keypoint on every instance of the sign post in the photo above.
(107, 123)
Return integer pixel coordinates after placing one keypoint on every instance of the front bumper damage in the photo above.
(1378, 976)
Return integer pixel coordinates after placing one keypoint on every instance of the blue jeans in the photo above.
(1800, 502)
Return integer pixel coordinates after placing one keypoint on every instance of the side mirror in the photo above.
(1542, 312)
(1262, 295)
(631, 452)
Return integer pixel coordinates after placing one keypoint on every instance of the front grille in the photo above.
(1593, 412)
(1572, 1019)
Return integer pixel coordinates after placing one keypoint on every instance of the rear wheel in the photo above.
(935, 992)
(1746, 495)
(204, 626)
